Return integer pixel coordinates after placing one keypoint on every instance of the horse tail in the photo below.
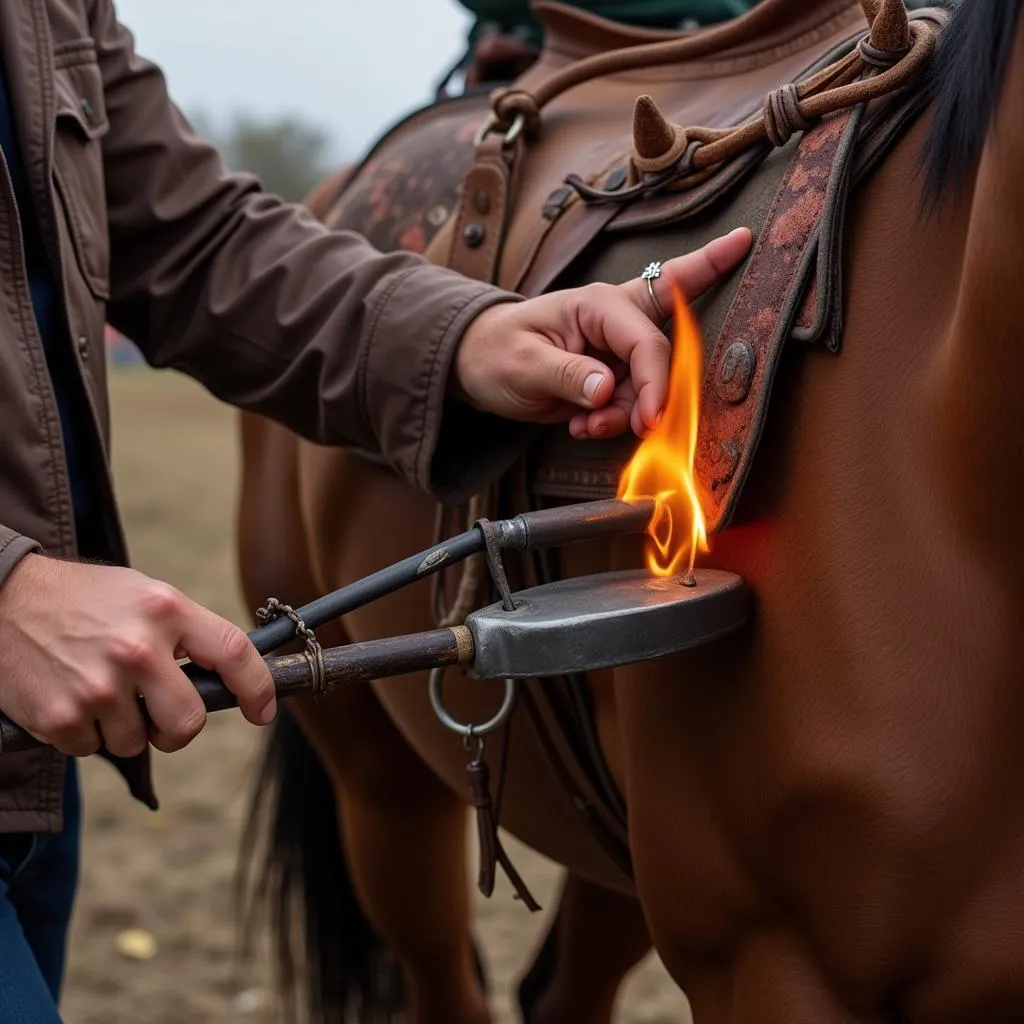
(966, 81)
(293, 869)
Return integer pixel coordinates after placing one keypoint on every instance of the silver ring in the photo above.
(470, 731)
(651, 273)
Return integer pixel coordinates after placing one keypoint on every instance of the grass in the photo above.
(175, 462)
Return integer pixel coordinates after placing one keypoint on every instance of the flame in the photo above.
(662, 467)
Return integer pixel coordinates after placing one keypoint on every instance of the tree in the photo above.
(288, 155)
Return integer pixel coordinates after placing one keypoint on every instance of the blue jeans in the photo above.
(38, 880)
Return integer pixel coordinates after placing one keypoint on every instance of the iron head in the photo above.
(602, 621)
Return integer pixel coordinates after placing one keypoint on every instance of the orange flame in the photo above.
(662, 467)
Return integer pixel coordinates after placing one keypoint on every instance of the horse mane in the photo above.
(966, 80)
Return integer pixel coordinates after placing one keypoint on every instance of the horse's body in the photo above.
(826, 815)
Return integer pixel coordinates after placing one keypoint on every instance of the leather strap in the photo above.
(482, 217)
(888, 58)
(740, 374)
(492, 852)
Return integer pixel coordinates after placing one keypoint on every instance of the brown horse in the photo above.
(389, 803)
(825, 813)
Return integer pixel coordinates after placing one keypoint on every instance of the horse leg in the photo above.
(405, 841)
(402, 832)
(595, 940)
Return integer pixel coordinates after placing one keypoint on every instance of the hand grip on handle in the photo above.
(293, 675)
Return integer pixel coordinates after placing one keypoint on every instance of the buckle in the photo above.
(492, 124)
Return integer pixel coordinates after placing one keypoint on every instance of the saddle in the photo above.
(589, 166)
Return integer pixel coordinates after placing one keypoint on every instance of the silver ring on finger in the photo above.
(651, 273)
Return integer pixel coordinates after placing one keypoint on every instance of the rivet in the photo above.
(616, 179)
(87, 111)
(83, 347)
(555, 203)
(474, 235)
(437, 216)
(481, 202)
(736, 372)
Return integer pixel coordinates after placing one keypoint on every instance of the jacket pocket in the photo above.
(81, 123)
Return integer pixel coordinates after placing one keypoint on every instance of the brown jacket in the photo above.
(146, 229)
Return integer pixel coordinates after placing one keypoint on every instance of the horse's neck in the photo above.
(979, 398)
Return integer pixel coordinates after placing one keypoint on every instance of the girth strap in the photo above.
(740, 374)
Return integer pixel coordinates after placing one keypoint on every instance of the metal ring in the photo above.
(651, 273)
(492, 122)
(470, 731)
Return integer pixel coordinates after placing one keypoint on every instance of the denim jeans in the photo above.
(38, 880)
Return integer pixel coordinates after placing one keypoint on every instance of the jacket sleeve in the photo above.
(271, 311)
(13, 547)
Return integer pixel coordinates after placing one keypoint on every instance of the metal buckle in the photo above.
(493, 124)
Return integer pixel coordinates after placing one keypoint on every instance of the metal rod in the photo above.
(526, 532)
(572, 524)
(293, 676)
(529, 531)
(386, 581)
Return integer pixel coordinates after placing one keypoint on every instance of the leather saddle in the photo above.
(589, 166)
(564, 177)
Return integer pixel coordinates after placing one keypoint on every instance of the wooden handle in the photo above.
(293, 675)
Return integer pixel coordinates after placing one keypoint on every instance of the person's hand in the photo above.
(529, 360)
(79, 644)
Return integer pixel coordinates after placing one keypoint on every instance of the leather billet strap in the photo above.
(740, 374)
(485, 201)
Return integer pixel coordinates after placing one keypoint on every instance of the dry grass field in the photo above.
(169, 873)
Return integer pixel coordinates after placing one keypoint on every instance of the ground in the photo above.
(169, 873)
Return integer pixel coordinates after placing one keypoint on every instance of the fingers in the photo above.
(88, 659)
(140, 660)
(637, 338)
(693, 273)
(172, 625)
(216, 644)
(68, 732)
(607, 322)
(611, 420)
(176, 711)
(542, 371)
(545, 372)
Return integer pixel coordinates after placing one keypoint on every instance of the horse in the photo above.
(822, 815)
(439, 970)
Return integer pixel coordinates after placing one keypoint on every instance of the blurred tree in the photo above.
(287, 154)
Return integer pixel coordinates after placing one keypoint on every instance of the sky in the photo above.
(348, 66)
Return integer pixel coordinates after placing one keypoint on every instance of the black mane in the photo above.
(966, 79)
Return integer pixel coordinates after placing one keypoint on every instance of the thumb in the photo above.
(554, 373)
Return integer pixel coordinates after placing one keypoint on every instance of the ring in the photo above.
(651, 273)
(470, 731)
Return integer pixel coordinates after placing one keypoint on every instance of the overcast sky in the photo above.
(347, 65)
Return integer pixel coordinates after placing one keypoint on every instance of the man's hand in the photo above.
(80, 643)
(529, 361)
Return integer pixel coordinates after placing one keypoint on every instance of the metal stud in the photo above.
(556, 202)
(437, 216)
(474, 235)
(616, 179)
(736, 372)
